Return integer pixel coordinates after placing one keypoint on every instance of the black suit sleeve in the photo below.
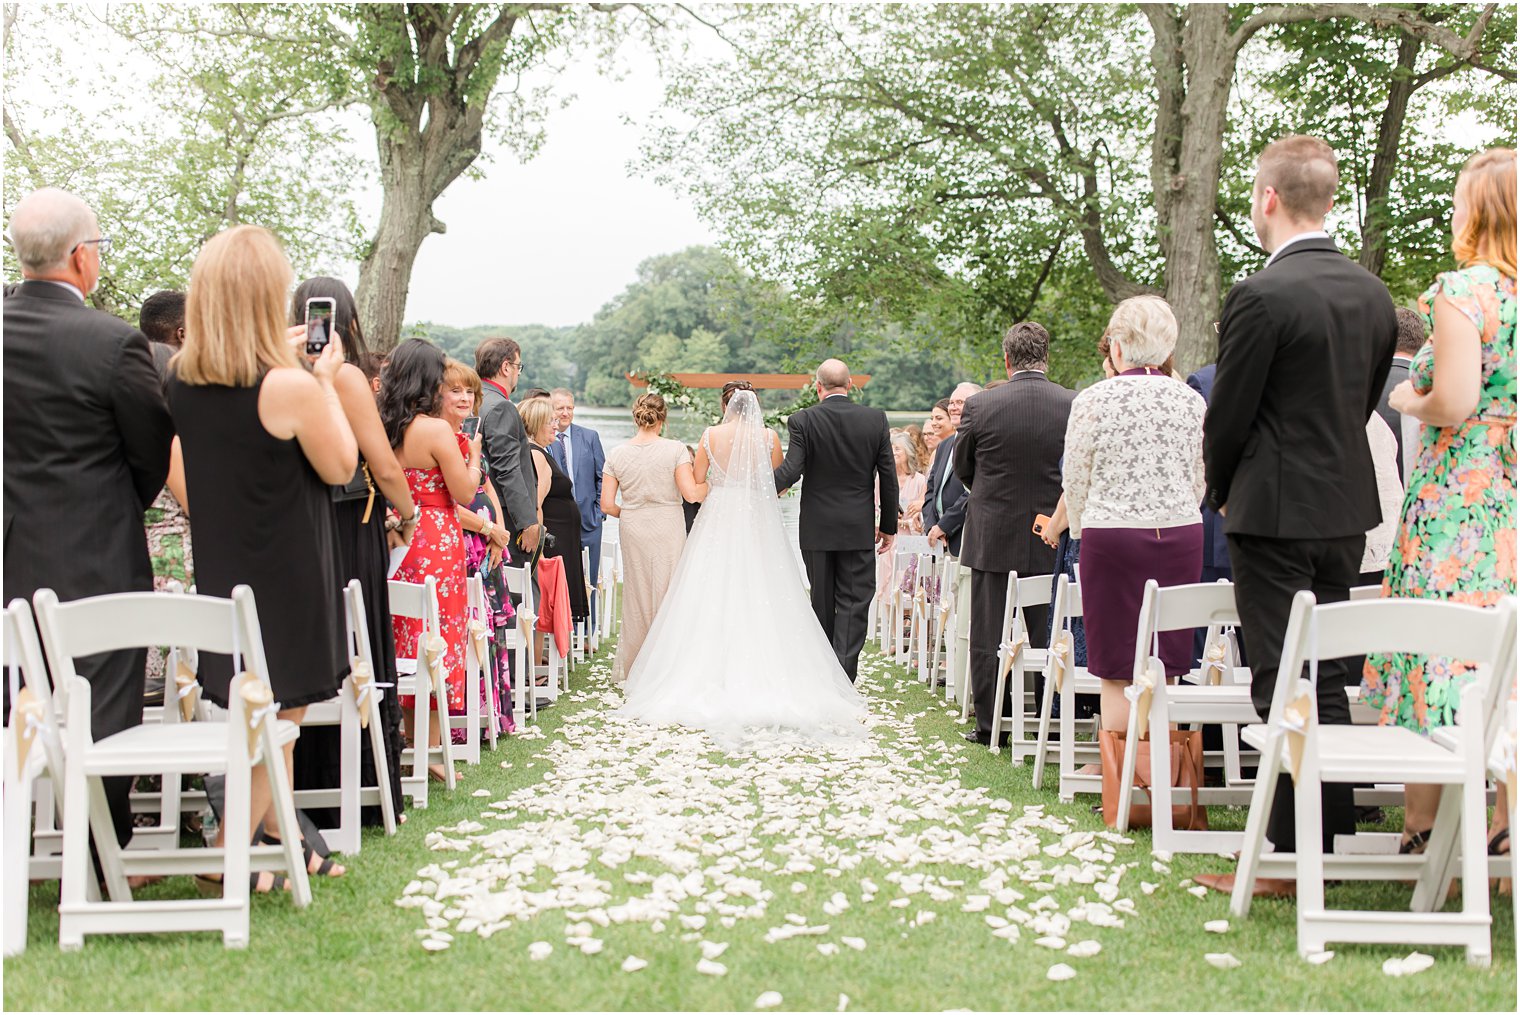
(1247, 346)
(502, 450)
(142, 417)
(790, 469)
(886, 475)
(965, 448)
(955, 515)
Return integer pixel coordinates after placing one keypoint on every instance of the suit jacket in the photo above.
(1008, 452)
(953, 519)
(504, 447)
(845, 449)
(586, 459)
(1216, 548)
(1304, 347)
(1398, 373)
(87, 437)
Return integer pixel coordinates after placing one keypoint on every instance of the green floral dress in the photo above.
(1456, 538)
(168, 531)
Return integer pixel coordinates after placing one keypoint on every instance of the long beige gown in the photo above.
(652, 531)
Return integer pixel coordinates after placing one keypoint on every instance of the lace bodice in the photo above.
(720, 455)
(1134, 455)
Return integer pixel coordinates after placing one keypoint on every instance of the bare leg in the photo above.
(1420, 804)
(1114, 706)
(314, 862)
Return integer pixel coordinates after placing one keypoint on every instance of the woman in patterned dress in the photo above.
(411, 399)
(1456, 539)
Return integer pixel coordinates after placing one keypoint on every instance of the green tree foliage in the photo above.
(546, 352)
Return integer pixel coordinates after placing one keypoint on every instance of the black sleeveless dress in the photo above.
(563, 520)
(260, 516)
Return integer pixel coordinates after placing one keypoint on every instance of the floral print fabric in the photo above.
(1456, 537)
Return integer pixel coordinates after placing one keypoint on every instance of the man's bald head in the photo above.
(46, 226)
(833, 376)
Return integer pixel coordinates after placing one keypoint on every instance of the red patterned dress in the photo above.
(437, 550)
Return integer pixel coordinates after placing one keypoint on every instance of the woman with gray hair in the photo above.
(1133, 479)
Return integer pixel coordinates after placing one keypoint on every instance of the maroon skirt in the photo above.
(1114, 566)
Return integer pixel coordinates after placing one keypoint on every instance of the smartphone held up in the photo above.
(319, 319)
(470, 426)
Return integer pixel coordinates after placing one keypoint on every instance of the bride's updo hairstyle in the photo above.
(732, 386)
(648, 411)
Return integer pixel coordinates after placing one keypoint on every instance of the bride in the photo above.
(735, 646)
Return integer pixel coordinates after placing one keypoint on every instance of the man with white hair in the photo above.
(945, 501)
(86, 445)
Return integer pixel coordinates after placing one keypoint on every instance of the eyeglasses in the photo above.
(103, 245)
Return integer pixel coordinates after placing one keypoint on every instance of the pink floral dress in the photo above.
(1456, 539)
(437, 550)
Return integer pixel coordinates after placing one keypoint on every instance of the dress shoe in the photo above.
(1265, 888)
(977, 738)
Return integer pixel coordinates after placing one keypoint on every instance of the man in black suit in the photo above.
(87, 438)
(1304, 347)
(945, 498)
(1007, 452)
(845, 449)
(504, 445)
(1411, 340)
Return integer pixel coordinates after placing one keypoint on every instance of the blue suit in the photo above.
(584, 467)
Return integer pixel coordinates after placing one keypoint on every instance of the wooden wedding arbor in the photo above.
(765, 382)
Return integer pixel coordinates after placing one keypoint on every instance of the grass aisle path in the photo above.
(684, 852)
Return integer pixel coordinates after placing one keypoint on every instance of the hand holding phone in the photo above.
(471, 426)
(1041, 523)
(319, 319)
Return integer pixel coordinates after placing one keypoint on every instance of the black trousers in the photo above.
(842, 584)
(1268, 573)
(989, 601)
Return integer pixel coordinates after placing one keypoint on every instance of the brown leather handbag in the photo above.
(1186, 771)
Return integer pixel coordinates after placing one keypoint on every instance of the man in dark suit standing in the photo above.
(1410, 341)
(845, 449)
(498, 361)
(578, 451)
(1304, 347)
(87, 438)
(1008, 451)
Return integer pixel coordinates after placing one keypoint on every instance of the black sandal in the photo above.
(1501, 838)
(1416, 843)
(324, 869)
(212, 886)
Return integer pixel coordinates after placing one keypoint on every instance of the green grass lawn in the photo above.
(356, 949)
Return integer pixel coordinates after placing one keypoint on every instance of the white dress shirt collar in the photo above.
(1313, 234)
(71, 287)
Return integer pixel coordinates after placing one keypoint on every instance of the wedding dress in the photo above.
(735, 649)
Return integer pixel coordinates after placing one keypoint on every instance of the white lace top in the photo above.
(1134, 455)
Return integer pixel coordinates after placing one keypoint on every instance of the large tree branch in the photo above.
(1466, 48)
(23, 150)
(1234, 230)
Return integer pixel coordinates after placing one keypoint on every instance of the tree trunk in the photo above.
(1192, 262)
(406, 219)
(1386, 156)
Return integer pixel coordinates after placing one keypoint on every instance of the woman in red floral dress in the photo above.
(439, 478)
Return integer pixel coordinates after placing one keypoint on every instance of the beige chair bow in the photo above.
(1214, 661)
(1006, 653)
(434, 652)
(1140, 691)
(1059, 659)
(259, 702)
(187, 689)
(479, 639)
(362, 679)
(1297, 718)
(28, 718)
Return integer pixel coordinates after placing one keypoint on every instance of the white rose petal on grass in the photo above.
(1199, 891)
(976, 903)
(434, 944)
(1319, 958)
(857, 943)
(828, 948)
(707, 967)
(1217, 926)
(632, 964)
(1148, 888)
(844, 1002)
(1053, 943)
(769, 999)
(1084, 949)
(711, 950)
(1060, 971)
(1221, 960)
(481, 792)
(540, 950)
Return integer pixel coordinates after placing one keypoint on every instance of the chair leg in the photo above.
(421, 722)
(997, 705)
(284, 806)
(1262, 795)
(1441, 861)
(446, 733)
(1042, 740)
(1475, 860)
(1068, 749)
(1309, 856)
(1127, 770)
(350, 775)
(382, 768)
(18, 850)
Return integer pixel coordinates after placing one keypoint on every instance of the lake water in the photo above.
(615, 427)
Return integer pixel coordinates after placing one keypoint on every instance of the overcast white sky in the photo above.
(551, 240)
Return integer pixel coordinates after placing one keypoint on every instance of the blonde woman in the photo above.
(261, 441)
(651, 476)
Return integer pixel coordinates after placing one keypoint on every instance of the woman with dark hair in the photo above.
(411, 400)
(360, 509)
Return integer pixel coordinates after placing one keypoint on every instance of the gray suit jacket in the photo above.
(508, 460)
(1008, 453)
(1397, 374)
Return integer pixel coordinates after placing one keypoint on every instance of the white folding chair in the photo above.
(251, 736)
(29, 768)
(1218, 692)
(356, 712)
(580, 633)
(555, 666)
(519, 640)
(896, 605)
(1018, 661)
(423, 676)
(958, 643)
(1063, 676)
(479, 683)
(1293, 740)
(925, 579)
